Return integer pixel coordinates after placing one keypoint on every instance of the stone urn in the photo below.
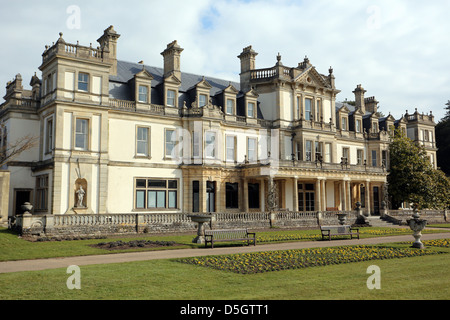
(342, 217)
(27, 207)
(417, 225)
(201, 219)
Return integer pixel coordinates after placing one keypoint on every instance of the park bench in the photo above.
(329, 231)
(228, 235)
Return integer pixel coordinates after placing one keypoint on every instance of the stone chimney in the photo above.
(371, 104)
(172, 60)
(247, 58)
(14, 89)
(359, 98)
(108, 45)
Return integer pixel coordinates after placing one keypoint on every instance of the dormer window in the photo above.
(202, 98)
(83, 82)
(171, 98)
(251, 110)
(358, 126)
(230, 106)
(143, 94)
(344, 124)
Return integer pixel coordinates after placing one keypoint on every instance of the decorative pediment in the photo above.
(203, 84)
(344, 109)
(251, 94)
(311, 77)
(144, 74)
(230, 89)
(171, 78)
(358, 112)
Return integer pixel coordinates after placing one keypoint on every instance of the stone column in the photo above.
(295, 195)
(262, 195)
(343, 196)
(349, 195)
(324, 195)
(318, 197)
(245, 195)
(202, 195)
(368, 197)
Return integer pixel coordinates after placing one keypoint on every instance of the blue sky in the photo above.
(398, 50)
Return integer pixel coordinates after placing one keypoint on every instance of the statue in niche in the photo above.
(80, 193)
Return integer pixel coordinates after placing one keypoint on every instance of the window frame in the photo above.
(210, 145)
(308, 150)
(229, 138)
(308, 111)
(167, 189)
(374, 158)
(49, 135)
(201, 102)
(168, 98)
(255, 149)
(251, 114)
(147, 141)
(146, 93)
(86, 134)
(173, 142)
(42, 189)
(232, 196)
(360, 157)
(81, 81)
(227, 106)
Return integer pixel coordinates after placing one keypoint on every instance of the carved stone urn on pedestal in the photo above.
(417, 225)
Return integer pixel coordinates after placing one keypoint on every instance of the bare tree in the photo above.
(8, 151)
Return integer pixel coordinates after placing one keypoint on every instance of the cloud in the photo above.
(396, 49)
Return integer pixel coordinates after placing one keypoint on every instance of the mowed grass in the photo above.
(14, 248)
(423, 277)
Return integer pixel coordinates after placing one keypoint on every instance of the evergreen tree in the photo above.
(413, 179)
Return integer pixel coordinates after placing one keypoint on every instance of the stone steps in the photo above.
(376, 221)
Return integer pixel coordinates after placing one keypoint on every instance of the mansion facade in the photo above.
(123, 137)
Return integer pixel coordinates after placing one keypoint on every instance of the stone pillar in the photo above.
(295, 195)
(349, 195)
(202, 195)
(324, 194)
(343, 196)
(262, 195)
(368, 197)
(245, 195)
(318, 196)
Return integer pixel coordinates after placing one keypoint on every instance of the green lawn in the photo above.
(14, 248)
(421, 277)
(424, 277)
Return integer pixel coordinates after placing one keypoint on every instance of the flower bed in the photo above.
(259, 262)
(318, 236)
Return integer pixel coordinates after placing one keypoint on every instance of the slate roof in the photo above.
(127, 70)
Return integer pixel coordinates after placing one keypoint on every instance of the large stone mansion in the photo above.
(124, 137)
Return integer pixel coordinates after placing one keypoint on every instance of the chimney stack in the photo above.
(172, 60)
(247, 58)
(359, 98)
(108, 45)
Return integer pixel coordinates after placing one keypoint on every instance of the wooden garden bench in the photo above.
(328, 231)
(228, 235)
